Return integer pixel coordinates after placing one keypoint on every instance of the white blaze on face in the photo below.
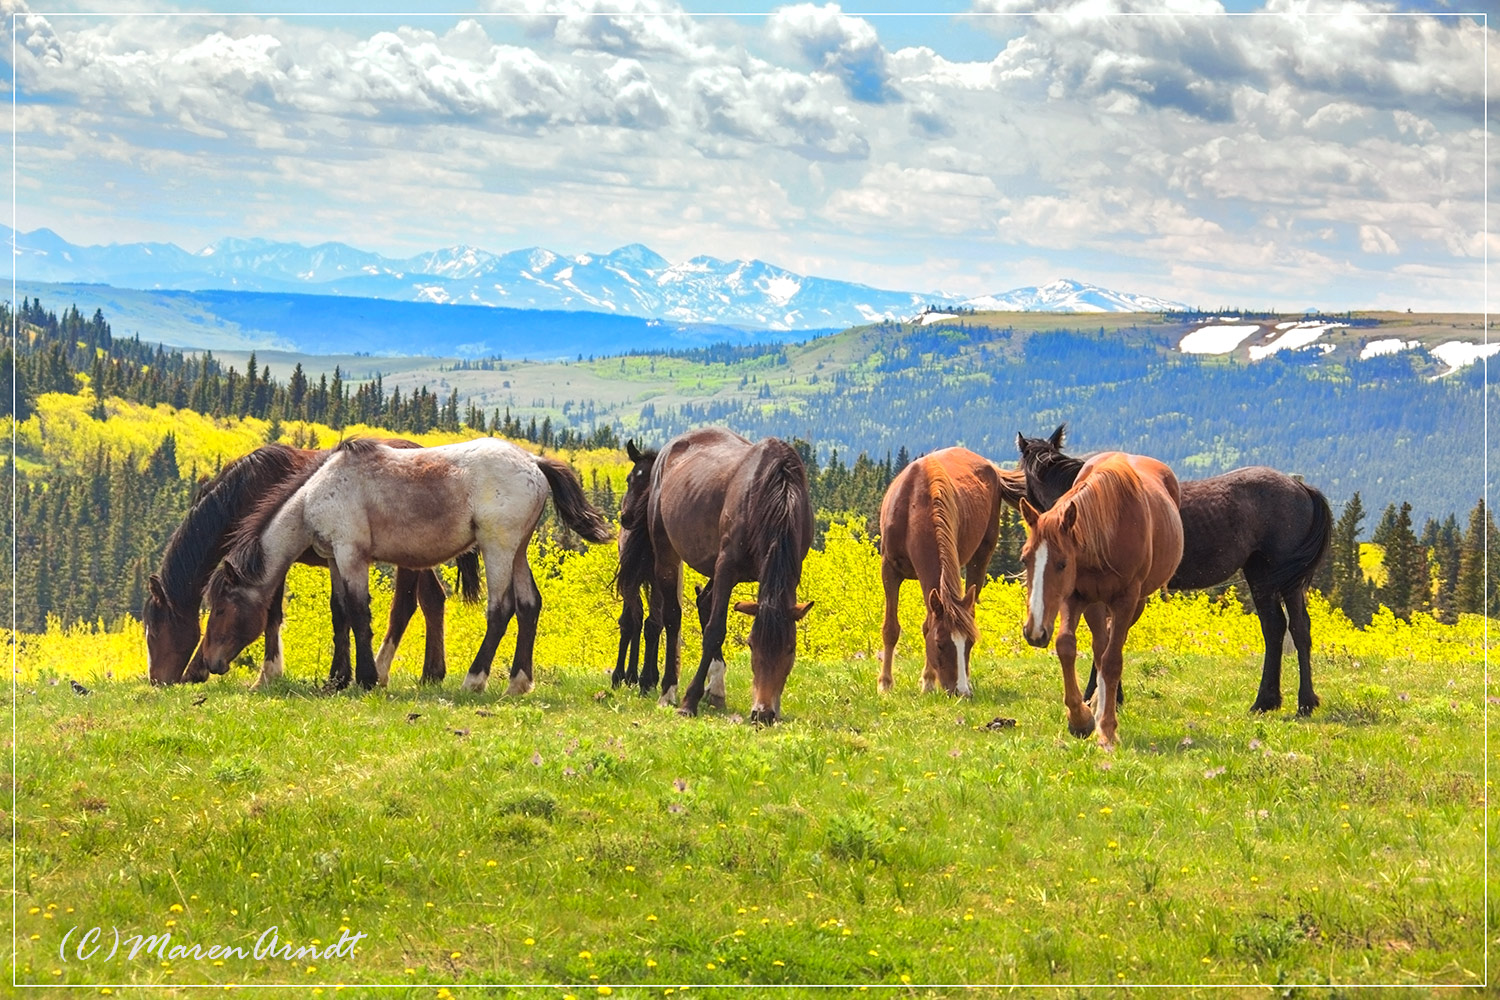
(1038, 606)
(963, 664)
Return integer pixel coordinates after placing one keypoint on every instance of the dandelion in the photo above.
(457, 954)
(650, 963)
(491, 863)
(530, 941)
(605, 991)
(175, 908)
(651, 918)
(1105, 811)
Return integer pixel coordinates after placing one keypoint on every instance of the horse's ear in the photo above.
(799, 611)
(158, 592)
(632, 450)
(1056, 439)
(1029, 513)
(935, 602)
(231, 575)
(971, 598)
(747, 607)
(1021, 442)
(1070, 517)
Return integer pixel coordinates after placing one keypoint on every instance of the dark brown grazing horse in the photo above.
(1098, 553)
(735, 512)
(942, 512)
(175, 591)
(1276, 528)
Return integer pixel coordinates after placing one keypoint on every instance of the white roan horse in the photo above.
(414, 508)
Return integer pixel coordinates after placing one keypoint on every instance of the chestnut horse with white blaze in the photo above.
(414, 508)
(1102, 549)
(940, 513)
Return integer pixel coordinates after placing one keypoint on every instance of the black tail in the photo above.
(468, 576)
(1298, 570)
(572, 506)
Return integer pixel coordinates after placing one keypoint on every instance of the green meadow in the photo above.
(586, 838)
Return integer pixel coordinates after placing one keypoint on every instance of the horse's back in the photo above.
(906, 512)
(1156, 516)
(1253, 511)
(689, 483)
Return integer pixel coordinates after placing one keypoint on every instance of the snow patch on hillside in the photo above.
(936, 317)
(1213, 339)
(1457, 354)
(1390, 345)
(1300, 335)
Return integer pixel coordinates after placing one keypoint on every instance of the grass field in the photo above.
(585, 837)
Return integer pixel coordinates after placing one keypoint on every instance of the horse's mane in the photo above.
(1098, 500)
(1051, 466)
(943, 497)
(200, 541)
(246, 555)
(780, 510)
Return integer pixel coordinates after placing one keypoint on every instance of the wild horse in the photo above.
(735, 512)
(1275, 528)
(941, 512)
(370, 502)
(1099, 552)
(175, 591)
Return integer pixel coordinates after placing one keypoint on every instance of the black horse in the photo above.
(1275, 528)
(636, 572)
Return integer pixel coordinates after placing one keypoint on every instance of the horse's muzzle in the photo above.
(1039, 639)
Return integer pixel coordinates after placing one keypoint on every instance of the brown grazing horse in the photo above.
(175, 590)
(735, 512)
(941, 512)
(1110, 541)
(418, 508)
(1275, 528)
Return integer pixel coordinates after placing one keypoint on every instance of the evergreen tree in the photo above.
(1470, 596)
(1408, 580)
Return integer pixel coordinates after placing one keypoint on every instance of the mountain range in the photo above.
(632, 281)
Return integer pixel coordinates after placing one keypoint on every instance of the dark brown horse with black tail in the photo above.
(1275, 528)
(735, 512)
(939, 523)
(175, 591)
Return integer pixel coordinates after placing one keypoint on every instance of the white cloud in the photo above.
(845, 46)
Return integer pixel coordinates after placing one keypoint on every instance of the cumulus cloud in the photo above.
(637, 28)
(842, 45)
(765, 104)
(1373, 239)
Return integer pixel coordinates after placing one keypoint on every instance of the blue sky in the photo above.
(1314, 155)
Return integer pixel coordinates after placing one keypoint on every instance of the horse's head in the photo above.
(1050, 560)
(949, 634)
(171, 634)
(236, 616)
(1049, 473)
(773, 648)
(637, 485)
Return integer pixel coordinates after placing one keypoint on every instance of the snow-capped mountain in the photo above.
(631, 280)
(1066, 295)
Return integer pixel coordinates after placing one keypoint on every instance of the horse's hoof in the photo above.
(475, 683)
(762, 717)
(1266, 704)
(519, 684)
(668, 697)
(687, 711)
(1082, 727)
(884, 685)
(1307, 707)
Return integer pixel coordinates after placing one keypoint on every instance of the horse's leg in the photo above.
(1093, 684)
(528, 613)
(339, 671)
(652, 639)
(351, 586)
(1080, 719)
(1273, 624)
(433, 600)
(274, 663)
(1300, 625)
(669, 585)
(498, 568)
(890, 626)
(1097, 617)
(1122, 614)
(631, 619)
(711, 666)
(403, 606)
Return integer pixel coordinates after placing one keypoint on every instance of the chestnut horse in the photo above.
(735, 512)
(416, 508)
(175, 590)
(1275, 528)
(1110, 541)
(941, 512)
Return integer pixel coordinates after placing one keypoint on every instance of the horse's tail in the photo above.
(468, 576)
(1298, 569)
(1012, 484)
(572, 506)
